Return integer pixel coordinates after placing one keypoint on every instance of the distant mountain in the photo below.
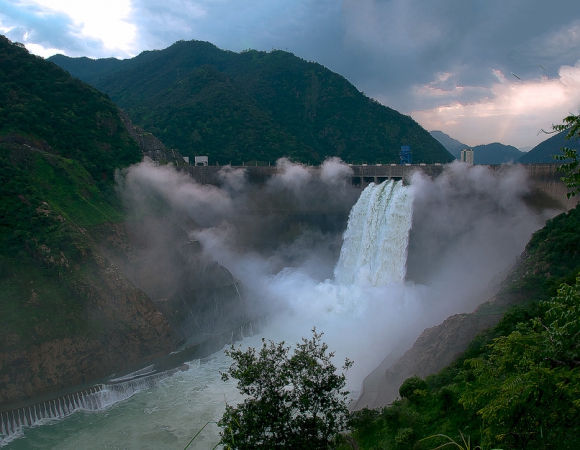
(495, 153)
(452, 145)
(253, 106)
(542, 153)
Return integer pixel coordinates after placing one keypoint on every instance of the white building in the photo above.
(466, 156)
(201, 161)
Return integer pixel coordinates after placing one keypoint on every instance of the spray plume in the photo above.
(283, 241)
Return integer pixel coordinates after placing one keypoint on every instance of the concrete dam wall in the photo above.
(547, 187)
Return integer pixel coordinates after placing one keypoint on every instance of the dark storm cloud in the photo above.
(305, 25)
(408, 42)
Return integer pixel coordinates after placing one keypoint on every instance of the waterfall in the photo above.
(373, 254)
(374, 249)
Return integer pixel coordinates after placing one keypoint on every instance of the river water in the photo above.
(166, 416)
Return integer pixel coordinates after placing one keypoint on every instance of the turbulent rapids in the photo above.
(166, 409)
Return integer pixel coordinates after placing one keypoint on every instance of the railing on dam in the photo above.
(362, 175)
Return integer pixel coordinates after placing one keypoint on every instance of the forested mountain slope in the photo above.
(495, 153)
(67, 315)
(253, 106)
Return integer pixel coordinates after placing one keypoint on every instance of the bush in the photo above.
(414, 389)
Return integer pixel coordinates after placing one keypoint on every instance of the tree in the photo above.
(295, 401)
(571, 169)
(527, 390)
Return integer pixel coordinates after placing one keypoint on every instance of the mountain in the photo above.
(495, 153)
(544, 151)
(67, 314)
(253, 106)
(452, 145)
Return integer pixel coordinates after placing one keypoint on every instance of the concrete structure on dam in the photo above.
(548, 190)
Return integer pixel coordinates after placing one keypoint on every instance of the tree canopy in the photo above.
(293, 400)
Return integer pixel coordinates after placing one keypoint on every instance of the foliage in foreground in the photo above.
(293, 400)
(527, 391)
(570, 168)
(519, 390)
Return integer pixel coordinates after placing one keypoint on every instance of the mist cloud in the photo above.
(469, 225)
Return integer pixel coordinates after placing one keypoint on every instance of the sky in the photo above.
(481, 71)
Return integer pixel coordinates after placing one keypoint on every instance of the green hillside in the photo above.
(60, 143)
(42, 102)
(495, 153)
(253, 106)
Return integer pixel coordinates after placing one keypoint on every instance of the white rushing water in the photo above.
(374, 249)
(368, 285)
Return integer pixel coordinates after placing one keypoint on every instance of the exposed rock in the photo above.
(198, 296)
(435, 348)
(130, 331)
(151, 147)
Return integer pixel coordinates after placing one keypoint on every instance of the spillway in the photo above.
(374, 249)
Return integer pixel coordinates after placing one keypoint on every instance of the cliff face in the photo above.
(439, 346)
(151, 147)
(130, 331)
(84, 294)
(198, 296)
(434, 349)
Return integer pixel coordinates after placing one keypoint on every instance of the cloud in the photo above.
(515, 110)
(145, 186)
(29, 22)
(234, 25)
(74, 28)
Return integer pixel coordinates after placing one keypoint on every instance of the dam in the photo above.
(546, 183)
